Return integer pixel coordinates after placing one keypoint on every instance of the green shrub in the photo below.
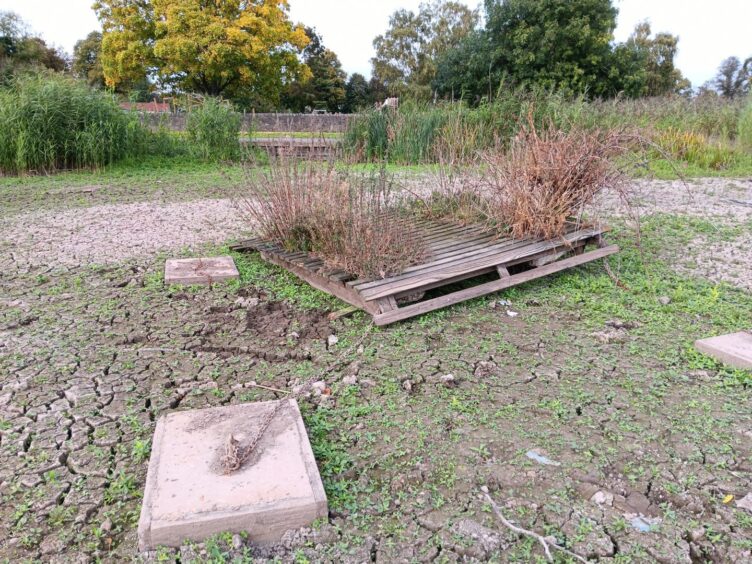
(745, 127)
(50, 122)
(213, 130)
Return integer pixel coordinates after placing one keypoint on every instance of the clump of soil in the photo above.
(272, 320)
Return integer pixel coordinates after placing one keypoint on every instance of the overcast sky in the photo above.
(709, 30)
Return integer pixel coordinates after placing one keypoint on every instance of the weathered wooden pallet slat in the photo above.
(456, 253)
(385, 318)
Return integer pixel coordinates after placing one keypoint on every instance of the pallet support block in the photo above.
(189, 496)
(734, 349)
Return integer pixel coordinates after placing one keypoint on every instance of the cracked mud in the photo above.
(649, 449)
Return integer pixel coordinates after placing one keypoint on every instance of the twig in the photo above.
(333, 316)
(613, 276)
(546, 542)
(255, 385)
(235, 456)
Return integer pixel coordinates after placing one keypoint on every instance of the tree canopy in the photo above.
(406, 55)
(325, 86)
(20, 49)
(734, 78)
(234, 48)
(87, 60)
(564, 45)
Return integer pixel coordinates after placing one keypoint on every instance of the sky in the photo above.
(708, 30)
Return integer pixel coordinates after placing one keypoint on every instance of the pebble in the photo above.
(664, 300)
(332, 340)
(603, 498)
(448, 379)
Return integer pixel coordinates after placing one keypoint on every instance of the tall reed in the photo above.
(50, 122)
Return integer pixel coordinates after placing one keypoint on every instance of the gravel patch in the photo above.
(112, 234)
(710, 198)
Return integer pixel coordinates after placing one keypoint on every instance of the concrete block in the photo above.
(189, 496)
(734, 350)
(200, 270)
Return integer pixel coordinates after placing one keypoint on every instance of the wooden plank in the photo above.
(437, 264)
(324, 284)
(490, 287)
(475, 261)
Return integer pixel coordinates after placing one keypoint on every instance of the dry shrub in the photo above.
(545, 179)
(352, 221)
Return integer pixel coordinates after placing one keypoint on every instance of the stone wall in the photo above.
(263, 122)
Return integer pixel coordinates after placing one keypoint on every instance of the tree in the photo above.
(734, 78)
(87, 61)
(325, 86)
(357, 94)
(407, 54)
(19, 49)
(466, 72)
(234, 48)
(559, 44)
(644, 65)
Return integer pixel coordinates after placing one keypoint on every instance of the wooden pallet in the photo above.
(457, 253)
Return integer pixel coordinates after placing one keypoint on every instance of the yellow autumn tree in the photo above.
(233, 48)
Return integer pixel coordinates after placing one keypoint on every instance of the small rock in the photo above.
(511, 313)
(247, 302)
(611, 336)
(448, 380)
(407, 385)
(745, 502)
(237, 542)
(504, 303)
(350, 380)
(318, 387)
(294, 335)
(697, 534)
(664, 300)
(332, 340)
(603, 498)
(106, 526)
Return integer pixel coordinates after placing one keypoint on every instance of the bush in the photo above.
(695, 149)
(544, 180)
(351, 221)
(213, 130)
(49, 122)
(745, 127)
